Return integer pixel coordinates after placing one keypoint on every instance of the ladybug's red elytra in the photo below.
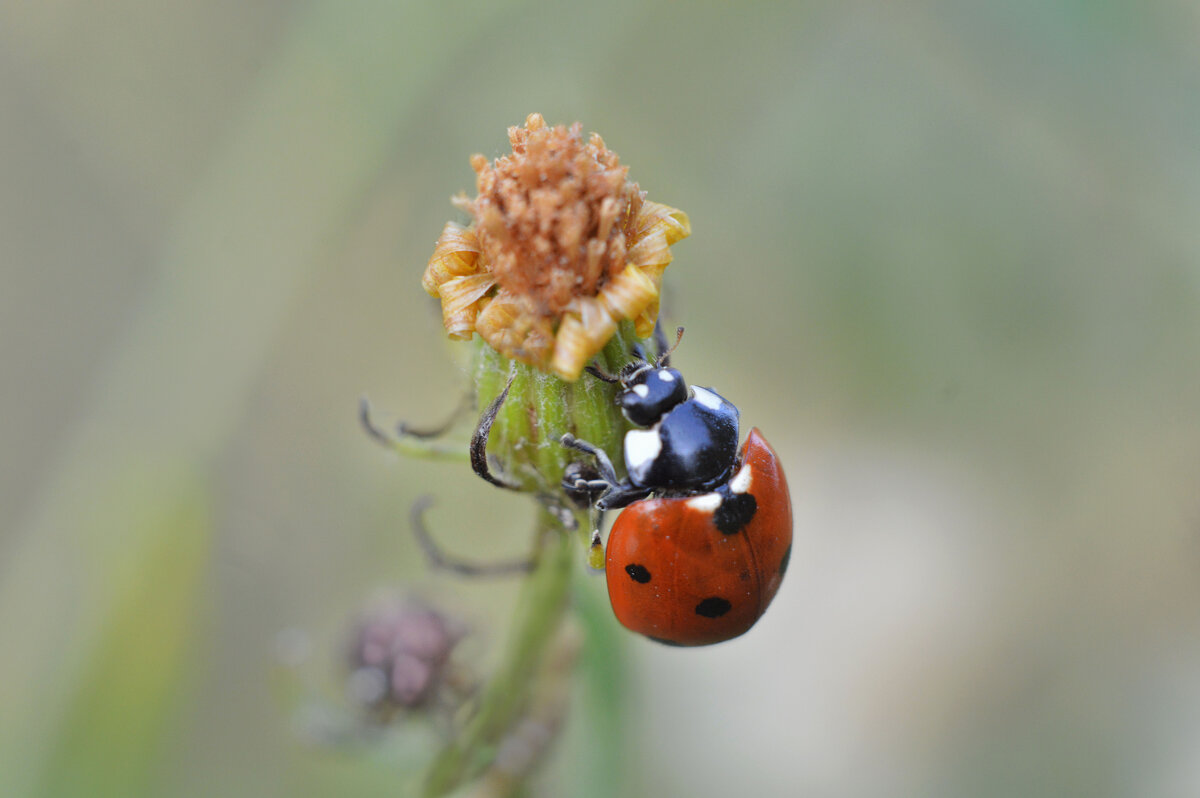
(699, 570)
(704, 540)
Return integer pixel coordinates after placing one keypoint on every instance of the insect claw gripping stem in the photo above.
(607, 472)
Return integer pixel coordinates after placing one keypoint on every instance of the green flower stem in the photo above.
(541, 408)
(525, 439)
(539, 614)
(596, 418)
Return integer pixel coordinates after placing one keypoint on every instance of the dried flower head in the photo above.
(399, 653)
(563, 247)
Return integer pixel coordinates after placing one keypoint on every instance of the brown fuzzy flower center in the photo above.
(553, 218)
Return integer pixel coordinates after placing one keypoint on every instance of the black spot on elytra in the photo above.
(638, 573)
(735, 512)
(787, 556)
(713, 607)
(665, 641)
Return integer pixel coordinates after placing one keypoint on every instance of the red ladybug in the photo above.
(699, 570)
(704, 541)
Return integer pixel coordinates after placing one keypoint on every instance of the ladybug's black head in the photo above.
(650, 393)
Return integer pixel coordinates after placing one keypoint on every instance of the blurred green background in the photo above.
(944, 253)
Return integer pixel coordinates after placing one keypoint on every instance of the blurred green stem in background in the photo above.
(143, 663)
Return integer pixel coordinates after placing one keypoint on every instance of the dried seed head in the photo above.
(552, 217)
(399, 653)
(562, 248)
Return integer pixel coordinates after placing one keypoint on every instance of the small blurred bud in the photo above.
(400, 653)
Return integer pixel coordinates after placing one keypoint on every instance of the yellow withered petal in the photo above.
(498, 322)
(462, 298)
(655, 229)
(455, 255)
(643, 325)
(508, 327)
(585, 329)
(629, 293)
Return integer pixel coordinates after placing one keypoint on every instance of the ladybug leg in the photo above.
(439, 559)
(479, 459)
(608, 474)
(582, 484)
(610, 492)
(622, 495)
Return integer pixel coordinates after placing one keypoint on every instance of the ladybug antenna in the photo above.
(634, 368)
(660, 339)
(664, 358)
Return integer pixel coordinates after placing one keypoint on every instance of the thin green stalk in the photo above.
(539, 614)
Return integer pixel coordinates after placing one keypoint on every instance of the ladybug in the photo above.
(705, 536)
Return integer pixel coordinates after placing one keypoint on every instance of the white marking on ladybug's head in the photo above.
(706, 397)
(641, 447)
(641, 390)
(705, 502)
(741, 482)
(666, 376)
